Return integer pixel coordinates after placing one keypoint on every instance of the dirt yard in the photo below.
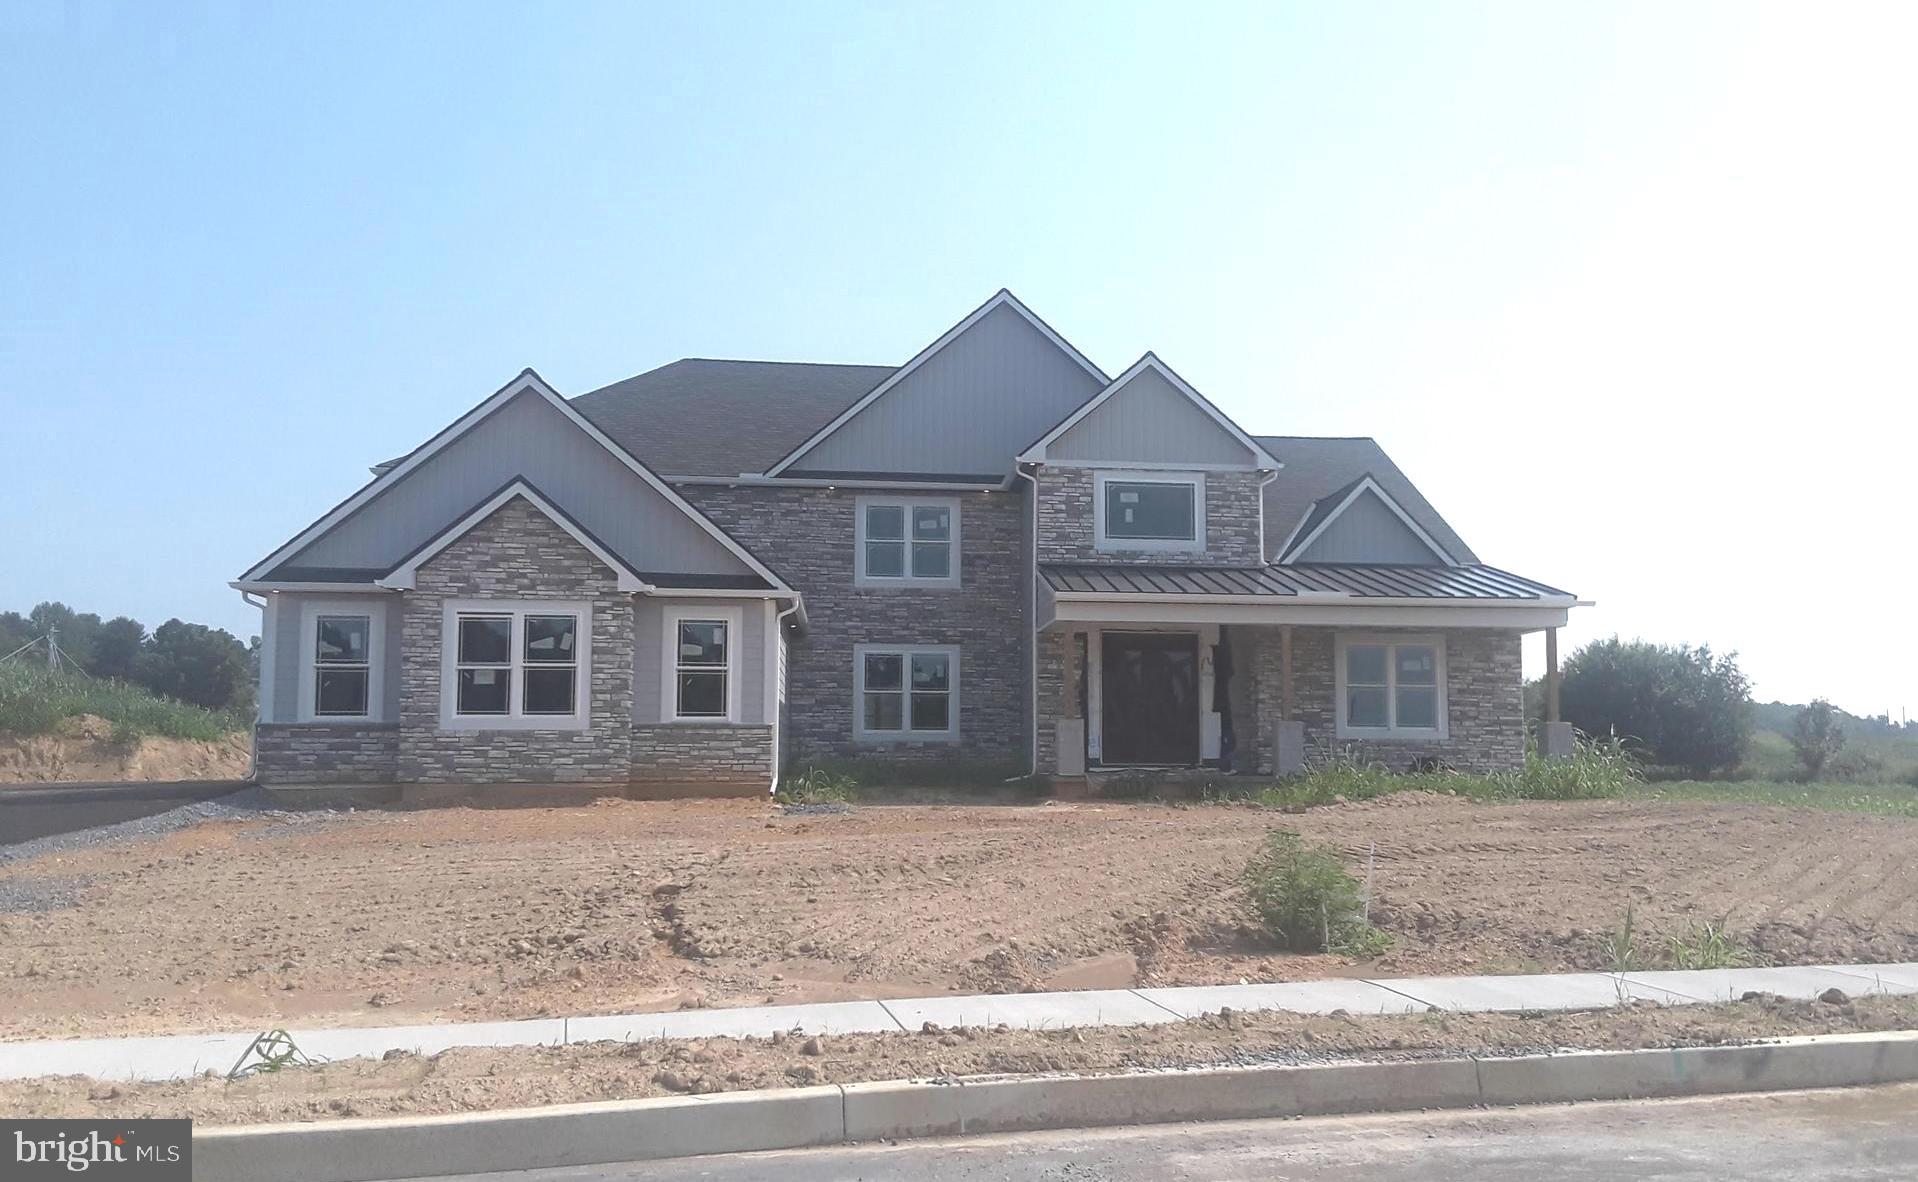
(84, 749)
(476, 1079)
(459, 914)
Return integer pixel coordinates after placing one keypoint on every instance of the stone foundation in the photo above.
(325, 754)
(678, 753)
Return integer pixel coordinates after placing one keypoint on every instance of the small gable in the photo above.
(525, 436)
(1149, 415)
(964, 407)
(550, 561)
(1366, 530)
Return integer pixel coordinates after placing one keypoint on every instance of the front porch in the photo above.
(1248, 672)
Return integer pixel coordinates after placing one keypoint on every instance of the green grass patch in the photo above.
(34, 701)
(1883, 800)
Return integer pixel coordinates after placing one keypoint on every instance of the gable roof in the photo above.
(1328, 509)
(1259, 458)
(401, 576)
(705, 417)
(1000, 299)
(1324, 469)
(527, 383)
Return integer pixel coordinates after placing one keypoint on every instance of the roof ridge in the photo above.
(764, 361)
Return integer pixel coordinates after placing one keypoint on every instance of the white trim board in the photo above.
(402, 576)
(526, 381)
(1260, 458)
(1290, 551)
(1002, 298)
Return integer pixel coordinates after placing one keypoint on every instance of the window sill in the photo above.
(890, 739)
(702, 720)
(515, 722)
(1379, 735)
(360, 720)
(866, 583)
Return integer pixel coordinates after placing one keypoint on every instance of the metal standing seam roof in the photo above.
(1305, 579)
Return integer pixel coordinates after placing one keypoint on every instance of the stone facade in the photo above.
(1484, 701)
(808, 535)
(678, 753)
(1067, 526)
(517, 553)
(325, 754)
(1483, 688)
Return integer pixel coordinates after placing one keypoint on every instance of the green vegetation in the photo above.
(816, 785)
(34, 701)
(1887, 800)
(1596, 770)
(1306, 899)
(1683, 707)
(1707, 945)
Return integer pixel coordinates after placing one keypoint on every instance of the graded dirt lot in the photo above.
(379, 918)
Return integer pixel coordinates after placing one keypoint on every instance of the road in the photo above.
(1805, 1136)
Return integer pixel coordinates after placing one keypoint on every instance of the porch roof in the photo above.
(1302, 582)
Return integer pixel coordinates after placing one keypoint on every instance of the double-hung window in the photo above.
(515, 665)
(701, 665)
(906, 692)
(1391, 687)
(1149, 511)
(340, 659)
(907, 542)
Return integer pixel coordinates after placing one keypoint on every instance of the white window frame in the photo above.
(516, 719)
(1390, 641)
(906, 504)
(906, 734)
(374, 609)
(734, 619)
(1102, 541)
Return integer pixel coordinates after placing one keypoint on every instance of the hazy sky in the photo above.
(1631, 292)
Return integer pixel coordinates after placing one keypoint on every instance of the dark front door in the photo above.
(1149, 708)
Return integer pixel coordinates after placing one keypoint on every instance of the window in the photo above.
(1391, 687)
(515, 665)
(340, 655)
(906, 693)
(910, 542)
(701, 665)
(1149, 511)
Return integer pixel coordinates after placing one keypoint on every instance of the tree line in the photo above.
(208, 667)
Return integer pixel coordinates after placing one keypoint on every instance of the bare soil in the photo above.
(379, 918)
(475, 1079)
(83, 749)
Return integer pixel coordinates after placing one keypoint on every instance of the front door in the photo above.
(1149, 710)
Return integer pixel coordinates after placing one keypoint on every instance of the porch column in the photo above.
(1554, 737)
(1288, 738)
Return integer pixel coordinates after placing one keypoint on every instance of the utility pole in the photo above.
(53, 650)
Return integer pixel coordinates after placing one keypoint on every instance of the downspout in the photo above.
(259, 698)
(779, 681)
(1032, 626)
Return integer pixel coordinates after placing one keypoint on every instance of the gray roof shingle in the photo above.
(702, 417)
(1320, 469)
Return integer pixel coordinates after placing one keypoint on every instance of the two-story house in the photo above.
(996, 551)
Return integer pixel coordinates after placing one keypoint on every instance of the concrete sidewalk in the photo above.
(183, 1055)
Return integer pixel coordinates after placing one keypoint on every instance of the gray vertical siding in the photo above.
(289, 669)
(526, 438)
(1149, 421)
(649, 656)
(969, 408)
(1368, 531)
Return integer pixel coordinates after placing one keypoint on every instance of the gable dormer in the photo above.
(1149, 471)
(1362, 523)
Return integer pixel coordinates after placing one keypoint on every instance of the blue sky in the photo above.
(1626, 289)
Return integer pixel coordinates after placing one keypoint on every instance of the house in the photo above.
(996, 552)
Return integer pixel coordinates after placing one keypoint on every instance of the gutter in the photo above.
(1315, 599)
(779, 734)
(755, 481)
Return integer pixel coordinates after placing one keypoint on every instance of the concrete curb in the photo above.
(686, 1126)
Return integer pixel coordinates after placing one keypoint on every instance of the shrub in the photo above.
(33, 701)
(1306, 899)
(1689, 707)
(1816, 737)
(816, 785)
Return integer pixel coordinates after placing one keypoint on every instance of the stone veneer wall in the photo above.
(1233, 507)
(286, 753)
(1484, 696)
(681, 753)
(517, 553)
(807, 535)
